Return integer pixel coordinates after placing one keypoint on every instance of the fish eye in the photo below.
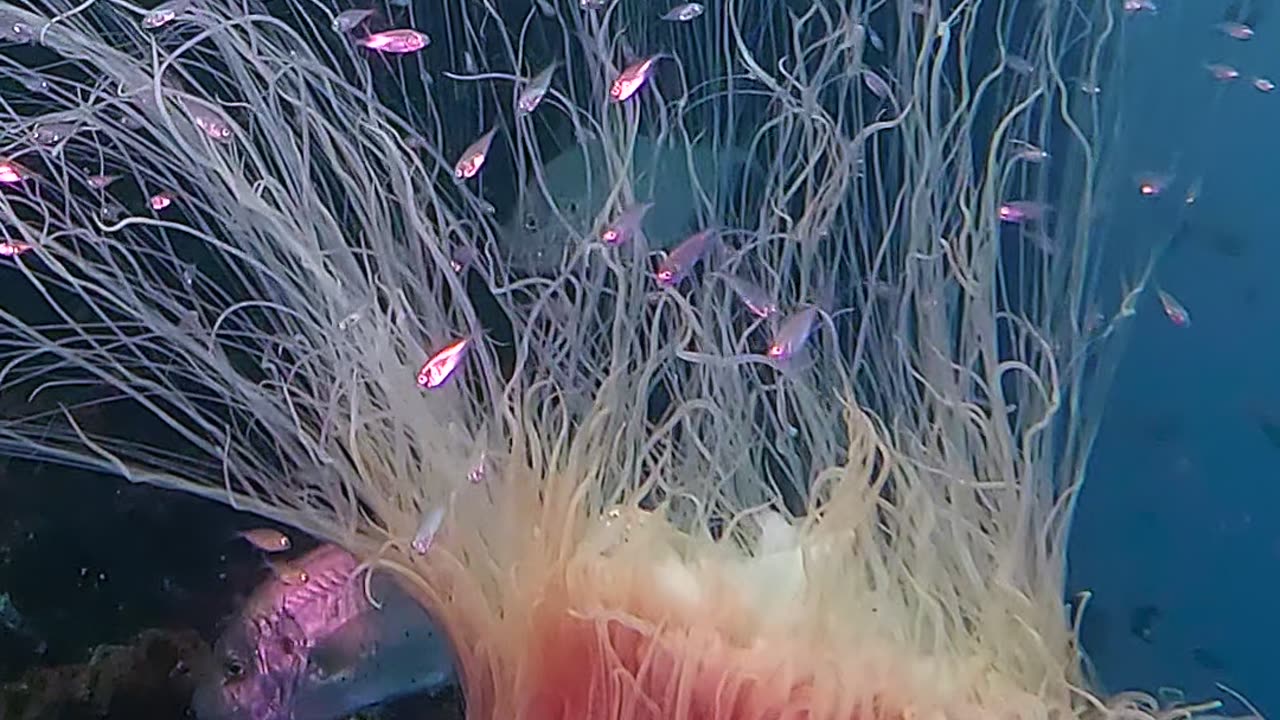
(530, 223)
(232, 668)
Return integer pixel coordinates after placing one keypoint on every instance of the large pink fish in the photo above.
(318, 650)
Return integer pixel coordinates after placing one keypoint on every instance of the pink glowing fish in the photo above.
(1021, 211)
(399, 41)
(1174, 310)
(676, 265)
(160, 200)
(441, 365)
(14, 248)
(474, 156)
(1152, 184)
(625, 226)
(11, 172)
(792, 334)
(632, 78)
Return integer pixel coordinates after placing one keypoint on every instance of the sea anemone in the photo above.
(617, 504)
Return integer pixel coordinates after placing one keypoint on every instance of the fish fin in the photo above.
(344, 649)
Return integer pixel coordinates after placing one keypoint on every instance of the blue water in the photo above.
(1180, 509)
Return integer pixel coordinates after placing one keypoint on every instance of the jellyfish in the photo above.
(614, 504)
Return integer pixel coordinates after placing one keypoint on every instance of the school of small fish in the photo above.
(789, 332)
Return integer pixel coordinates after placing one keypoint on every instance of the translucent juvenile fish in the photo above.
(873, 37)
(754, 297)
(1152, 184)
(31, 81)
(474, 156)
(400, 41)
(266, 539)
(440, 366)
(427, 529)
(52, 133)
(11, 172)
(1174, 310)
(1236, 30)
(1019, 64)
(208, 119)
(348, 20)
(462, 257)
(288, 573)
(632, 78)
(625, 226)
(1221, 71)
(1021, 211)
(14, 248)
(676, 265)
(164, 13)
(876, 84)
(684, 12)
(1025, 151)
(160, 200)
(99, 182)
(792, 333)
(1193, 192)
(535, 90)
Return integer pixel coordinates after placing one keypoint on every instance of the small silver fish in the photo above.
(876, 84)
(792, 334)
(349, 20)
(534, 90)
(165, 13)
(684, 12)
(427, 529)
(99, 182)
(52, 133)
(1029, 152)
(625, 226)
(473, 157)
(677, 264)
(753, 296)
(32, 82)
(209, 119)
